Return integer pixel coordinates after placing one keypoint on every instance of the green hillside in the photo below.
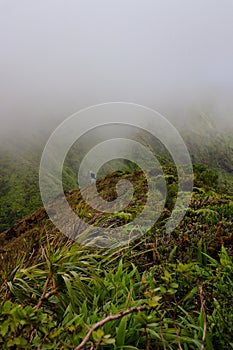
(212, 147)
(159, 292)
(19, 165)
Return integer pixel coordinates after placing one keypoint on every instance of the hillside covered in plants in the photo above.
(19, 167)
(159, 292)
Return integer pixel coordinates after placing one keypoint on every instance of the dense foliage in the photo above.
(160, 292)
(19, 166)
(53, 302)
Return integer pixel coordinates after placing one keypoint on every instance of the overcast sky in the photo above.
(57, 56)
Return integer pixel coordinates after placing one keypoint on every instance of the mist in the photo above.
(60, 56)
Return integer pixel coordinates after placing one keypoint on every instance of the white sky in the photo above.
(57, 56)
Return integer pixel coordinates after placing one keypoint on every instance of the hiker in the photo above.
(93, 177)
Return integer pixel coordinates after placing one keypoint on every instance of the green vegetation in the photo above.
(159, 292)
(19, 166)
(19, 184)
(213, 148)
(54, 300)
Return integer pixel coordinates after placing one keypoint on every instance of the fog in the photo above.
(60, 56)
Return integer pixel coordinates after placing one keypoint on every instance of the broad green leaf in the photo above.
(121, 332)
(4, 328)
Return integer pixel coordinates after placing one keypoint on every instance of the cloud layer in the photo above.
(58, 56)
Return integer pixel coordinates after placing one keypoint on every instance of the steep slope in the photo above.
(161, 289)
(209, 145)
(19, 164)
(209, 217)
